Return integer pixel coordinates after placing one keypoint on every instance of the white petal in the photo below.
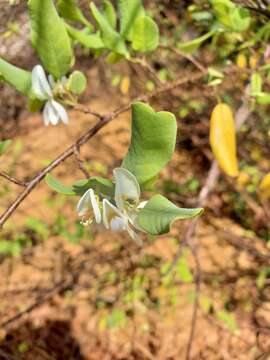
(40, 84)
(135, 236)
(142, 204)
(61, 111)
(118, 223)
(110, 211)
(49, 114)
(51, 80)
(89, 202)
(63, 80)
(84, 203)
(126, 187)
(95, 206)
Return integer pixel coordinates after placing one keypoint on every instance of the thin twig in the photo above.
(146, 66)
(188, 57)
(13, 180)
(103, 120)
(80, 162)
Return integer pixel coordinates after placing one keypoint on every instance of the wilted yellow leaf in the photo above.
(124, 85)
(253, 61)
(241, 61)
(243, 179)
(264, 186)
(223, 139)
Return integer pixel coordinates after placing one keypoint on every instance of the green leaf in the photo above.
(109, 13)
(255, 84)
(233, 17)
(130, 11)
(145, 35)
(3, 146)
(117, 318)
(38, 226)
(34, 104)
(50, 37)
(77, 82)
(91, 41)
(69, 10)
(112, 40)
(263, 98)
(57, 186)
(152, 144)
(102, 186)
(113, 58)
(11, 248)
(16, 77)
(228, 319)
(183, 270)
(193, 45)
(159, 213)
(240, 19)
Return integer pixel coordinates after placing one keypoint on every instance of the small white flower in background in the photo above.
(121, 216)
(53, 111)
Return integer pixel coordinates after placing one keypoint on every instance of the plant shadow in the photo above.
(52, 341)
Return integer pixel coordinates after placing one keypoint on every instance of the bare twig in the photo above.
(103, 120)
(146, 66)
(190, 58)
(80, 162)
(13, 180)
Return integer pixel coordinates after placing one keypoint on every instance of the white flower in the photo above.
(43, 89)
(121, 216)
(88, 206)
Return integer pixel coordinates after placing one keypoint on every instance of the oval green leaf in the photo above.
(16, 77)
(145, 34)
(58, 186)
(91, 41)
(3, 146)
(152, 144)
(50, 37)
(77, 82)
(129, 11)
(159, 213)
(112, 40)
(69, 10)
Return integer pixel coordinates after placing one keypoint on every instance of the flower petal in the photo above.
(61, 111)
(109, 212)
(40, 84)
(89, 202)
(118, 223)
(142, 204)
(49, 114)
(135, 236)
(126, 187)
(51, 81)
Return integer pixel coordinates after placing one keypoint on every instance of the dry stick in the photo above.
(12, 179)
(80, 162)
(103, 120)
(146, 66)
(189, 57)
(213, 174)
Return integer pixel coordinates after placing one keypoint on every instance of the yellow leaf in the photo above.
(124, 85)
(253, 61)
(241, 61)
(264, 186)
(223, 139)
(243, 179)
